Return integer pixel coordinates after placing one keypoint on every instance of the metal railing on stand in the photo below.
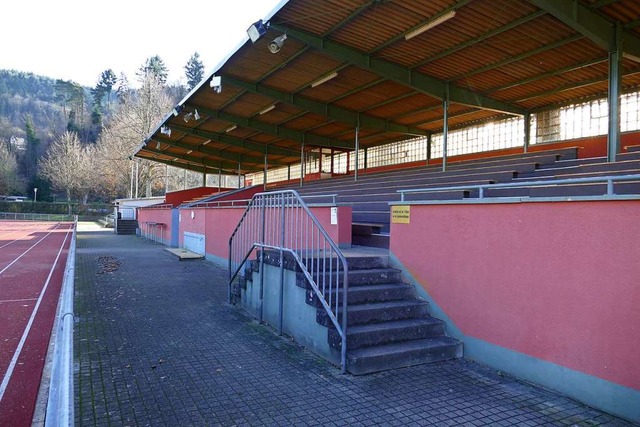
(280, 223)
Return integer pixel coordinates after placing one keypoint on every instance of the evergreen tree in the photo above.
(194, 71)
(30, 160)
(154, 66)
(103, 88)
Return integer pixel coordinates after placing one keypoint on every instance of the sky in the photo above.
(78, 39)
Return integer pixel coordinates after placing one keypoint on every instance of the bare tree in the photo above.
(9, 180)
(67, 165)
(134, 118)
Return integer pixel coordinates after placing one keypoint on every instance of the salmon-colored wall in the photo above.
(217, 224)
(157, 215)
(556, 281)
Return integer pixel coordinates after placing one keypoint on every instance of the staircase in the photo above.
(388, 326)
(126, 226)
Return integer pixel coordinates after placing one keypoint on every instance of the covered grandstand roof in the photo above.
(385, 66)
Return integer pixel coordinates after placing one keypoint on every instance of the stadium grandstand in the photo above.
(403, 182)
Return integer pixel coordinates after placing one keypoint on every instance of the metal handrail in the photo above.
(29, 216)
(281, 221)
(609, 179)
(60, 403)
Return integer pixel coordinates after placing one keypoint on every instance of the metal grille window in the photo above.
(485, 137)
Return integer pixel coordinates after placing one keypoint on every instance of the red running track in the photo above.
(33, 256)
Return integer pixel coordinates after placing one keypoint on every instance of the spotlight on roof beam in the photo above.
(165, 130)
(216, 84)
(177, 110)
(157, 145)
(230, 128)
(325, 79)
(429, 25)
(276, 44)
(196, 115)
(188, 117)
(256, 30)
(266, 110)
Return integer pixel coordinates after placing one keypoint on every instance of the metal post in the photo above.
(355, 172)
(527, 131)
(445, 128)
(428, 148)
(132, 173)
(219, 179)
(184, 181)
(263, 201)
(137, 179)
(166, 179)
(302, 165)
(615, 58)
(288, 172)
(283, 206)
(365, 159)
(264, 173)
(204, 179)
(239, 175)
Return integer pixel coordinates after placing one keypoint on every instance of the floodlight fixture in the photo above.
(429, 25)
(266, 110)
(325, 79)
(178, 108)
(188, 117)
(216, 84)
(196, 115)
(257, 30)
(276, 44)
(230, 128)
(157, 145)
(165, 130)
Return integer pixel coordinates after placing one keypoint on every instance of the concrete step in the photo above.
(378, 312)
(398, 355)
(314, 262)
(375, 334)
(367, 294)
(371, 276)
(381, 240)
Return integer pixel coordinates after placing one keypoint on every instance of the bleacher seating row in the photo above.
(371, 193)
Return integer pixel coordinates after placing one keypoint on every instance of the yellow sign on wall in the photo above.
(401, 214)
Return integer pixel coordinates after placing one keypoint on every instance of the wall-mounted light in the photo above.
(165, 130)
(190, 151)
(256, 30)
(196, 115)
(216, 84)
(429, 25)
(276, 44)
(177, 110)
(157, 145)
(188, 117)
(266, 110)
(230, 128)
(325, 79)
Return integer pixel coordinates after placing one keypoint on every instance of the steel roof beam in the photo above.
(222, 154)
(594, 26)
(275, 130)
(175, 164)
(349, 117)
(201, 162)
(238, 142)
(414, 79)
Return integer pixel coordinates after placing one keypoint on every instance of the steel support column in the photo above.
(428, 149)
(445, 129)
(613, 98)
(527, 132)
(355, 172)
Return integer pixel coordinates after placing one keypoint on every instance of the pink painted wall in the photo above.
(556, 281)
(217, 224)
(157, 215)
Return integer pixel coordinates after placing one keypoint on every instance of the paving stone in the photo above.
(157, 344)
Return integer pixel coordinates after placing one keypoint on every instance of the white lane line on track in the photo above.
(25, 334)
(32, 246)
(18, 300)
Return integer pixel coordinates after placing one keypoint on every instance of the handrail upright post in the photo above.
(609, 187)
(282, 236)
(262, 253)
(343, 349)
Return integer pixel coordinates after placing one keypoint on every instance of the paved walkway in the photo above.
(157, 345)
